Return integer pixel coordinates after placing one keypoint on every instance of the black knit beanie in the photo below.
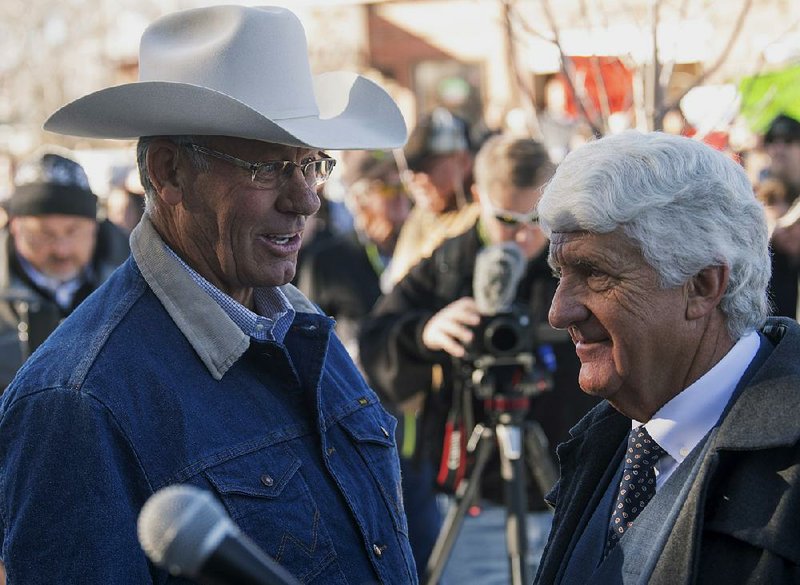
(783, 127)
(52, 184)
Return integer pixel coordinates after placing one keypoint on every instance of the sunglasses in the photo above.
(514, 219)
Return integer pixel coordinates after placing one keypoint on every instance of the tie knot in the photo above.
(643, 451)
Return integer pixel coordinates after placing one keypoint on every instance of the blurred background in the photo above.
(559, 71)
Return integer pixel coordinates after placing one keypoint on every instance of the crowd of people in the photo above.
(209, 324)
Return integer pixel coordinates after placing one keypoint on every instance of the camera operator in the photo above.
(415, 336)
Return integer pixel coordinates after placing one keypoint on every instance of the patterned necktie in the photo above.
(638, 484)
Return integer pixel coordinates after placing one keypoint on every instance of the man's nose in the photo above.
(566, 307)
(62, 247)
(298, 197)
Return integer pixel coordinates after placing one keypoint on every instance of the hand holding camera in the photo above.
(451, 329)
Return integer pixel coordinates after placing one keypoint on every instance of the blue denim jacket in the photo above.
(149, 383)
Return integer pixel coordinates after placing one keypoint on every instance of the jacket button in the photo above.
(331, 451)
(378, 550)
(267, 480)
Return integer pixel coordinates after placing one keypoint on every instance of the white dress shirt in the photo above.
(681, 423)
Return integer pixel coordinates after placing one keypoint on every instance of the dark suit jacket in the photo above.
(739, 522)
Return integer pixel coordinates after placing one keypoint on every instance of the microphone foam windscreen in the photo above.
(174, 525)
(498, 270)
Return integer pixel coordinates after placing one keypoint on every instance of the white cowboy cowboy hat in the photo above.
(236, 71)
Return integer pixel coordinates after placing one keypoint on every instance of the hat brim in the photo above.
(355, 113)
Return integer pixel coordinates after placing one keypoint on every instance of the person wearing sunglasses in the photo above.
(412, 336)
(197, 362)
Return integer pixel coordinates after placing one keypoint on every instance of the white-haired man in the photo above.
(688, 472)
(196, 363)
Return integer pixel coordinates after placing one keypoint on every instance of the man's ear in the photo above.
(705, 290)
(162, 166)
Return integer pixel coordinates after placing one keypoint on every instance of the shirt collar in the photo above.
(217, 340)
(273, 316)
(681, 423)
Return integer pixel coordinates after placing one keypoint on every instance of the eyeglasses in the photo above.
(514, 219)
(274, 173)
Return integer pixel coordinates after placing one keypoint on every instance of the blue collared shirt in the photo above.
(274, 317)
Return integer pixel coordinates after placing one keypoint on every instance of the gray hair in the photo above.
(195, 158)
(686, 205)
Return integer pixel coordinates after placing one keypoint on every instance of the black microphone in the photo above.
(186, 531)
(498, 270)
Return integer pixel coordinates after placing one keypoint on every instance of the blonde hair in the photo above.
(518, 162)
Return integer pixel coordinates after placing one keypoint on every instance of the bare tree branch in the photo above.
(668, 66)
(737, 29)
(521, 85)
(569, 71)
(602, 93)
(597, 74)
(656, 115)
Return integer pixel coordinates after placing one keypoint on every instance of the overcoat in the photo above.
(739, 521)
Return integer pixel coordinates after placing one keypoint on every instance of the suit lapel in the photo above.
(585, 461)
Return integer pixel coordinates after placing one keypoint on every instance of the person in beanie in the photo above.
(197, 364)
(53, 254)
(782, 144)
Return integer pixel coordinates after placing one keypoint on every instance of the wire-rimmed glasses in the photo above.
(273, 173)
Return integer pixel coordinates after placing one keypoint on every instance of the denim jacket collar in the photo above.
(216, 339)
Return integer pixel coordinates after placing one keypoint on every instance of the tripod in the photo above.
(509, 432)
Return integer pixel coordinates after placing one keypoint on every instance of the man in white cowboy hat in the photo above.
(196, 362)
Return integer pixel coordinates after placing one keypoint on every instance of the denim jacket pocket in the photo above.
(372, 429)
(271, 502)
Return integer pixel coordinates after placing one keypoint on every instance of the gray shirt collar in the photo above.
(216, 339)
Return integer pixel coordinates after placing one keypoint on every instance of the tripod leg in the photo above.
(538, 454)
(512, 469)
(465, 494)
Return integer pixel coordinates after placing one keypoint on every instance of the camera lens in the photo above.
(503, 336)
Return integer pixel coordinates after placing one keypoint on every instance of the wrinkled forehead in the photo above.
(562, 242)
(583, 247)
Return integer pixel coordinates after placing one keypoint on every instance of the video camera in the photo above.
(504, 356)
